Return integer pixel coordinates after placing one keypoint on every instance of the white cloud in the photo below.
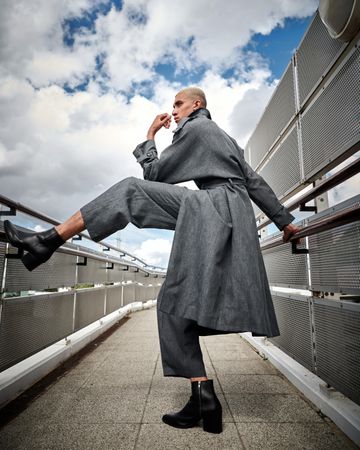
(59, 150)
(154, 251)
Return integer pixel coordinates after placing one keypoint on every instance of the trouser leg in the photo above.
(146, 204)
(180, 347)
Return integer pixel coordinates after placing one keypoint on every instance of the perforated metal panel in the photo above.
(94, 272)
(334, 254)
(142, 278)
(129, 275)
(144, 293)
(293, 316)
(257, 210)
(59, 271)
(337, 336)
(139, 293)
(129, 294)
(276, 116)
(331, 125)
(2, 260)
(113, 298)
(284, 268)
(2, 254)
(284, 161)
(116, 274)
(89, 306)
(316, 52)
(29, 324)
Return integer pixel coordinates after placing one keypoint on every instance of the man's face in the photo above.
(183, 106)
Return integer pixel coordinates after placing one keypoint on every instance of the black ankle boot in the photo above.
(203, 404)
(40, 246)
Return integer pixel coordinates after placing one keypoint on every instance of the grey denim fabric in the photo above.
(180, 350)
(216, 274)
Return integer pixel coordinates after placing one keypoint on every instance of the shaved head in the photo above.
(195, 94)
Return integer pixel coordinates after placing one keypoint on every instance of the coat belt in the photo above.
(215, 182)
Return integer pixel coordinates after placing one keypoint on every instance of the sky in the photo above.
(81, 81)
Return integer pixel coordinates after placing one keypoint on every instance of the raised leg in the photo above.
(72, 226)
(146, 204)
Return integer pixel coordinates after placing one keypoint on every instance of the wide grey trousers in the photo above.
(150, 204)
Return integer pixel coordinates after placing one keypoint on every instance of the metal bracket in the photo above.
(9, 212)
(127, 268)
(303, 207)
(78, 237)
(296, 250)
(17, 255)
(110, 266)
(147, 275)
(84, 263)
(106, 249)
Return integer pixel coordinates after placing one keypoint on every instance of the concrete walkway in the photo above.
(114, 397)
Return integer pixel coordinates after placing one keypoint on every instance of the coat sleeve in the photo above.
(175, 162)
(147, 156)
(262, 194)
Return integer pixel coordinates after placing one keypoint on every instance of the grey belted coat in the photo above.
(216, 274)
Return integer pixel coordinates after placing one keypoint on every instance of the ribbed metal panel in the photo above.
(316, 52)
(129, 294)
(29, 324)
(331, 125)
(293, 316)
(337, 335)
(284, 161)
(334, 254)
(59, 271)
(89, 306)
(113, 298)
(94, 272)
(277, 114)
(284, 268)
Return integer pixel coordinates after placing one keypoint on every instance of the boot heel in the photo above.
(212, 421)
(30, 261)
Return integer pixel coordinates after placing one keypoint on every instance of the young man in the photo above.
(216, 281)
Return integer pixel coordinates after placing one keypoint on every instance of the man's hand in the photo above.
(289, 230)
(161, 120)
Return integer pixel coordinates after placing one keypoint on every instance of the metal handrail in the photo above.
(98, 257)
(351, 214)
(339, 177)
(16, 206)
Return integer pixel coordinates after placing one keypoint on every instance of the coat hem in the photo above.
(226, 328)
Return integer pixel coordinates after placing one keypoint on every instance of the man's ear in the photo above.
(197, 104)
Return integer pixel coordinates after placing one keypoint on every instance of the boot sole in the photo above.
(172, 424)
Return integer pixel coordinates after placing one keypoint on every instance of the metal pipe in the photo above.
(336, 220)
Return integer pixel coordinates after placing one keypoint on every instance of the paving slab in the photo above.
(270, 384)
(285, 436)
(271, 408)
(115, 396)
(162, 437)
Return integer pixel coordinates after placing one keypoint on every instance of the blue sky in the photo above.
(81, 80)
